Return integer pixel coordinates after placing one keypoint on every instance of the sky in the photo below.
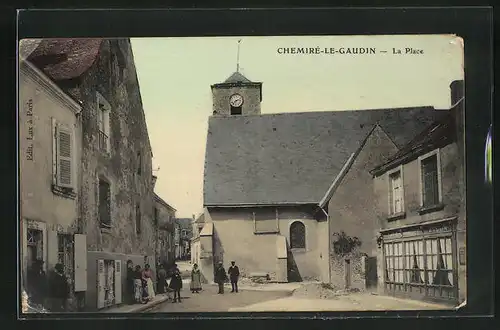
(175, 75)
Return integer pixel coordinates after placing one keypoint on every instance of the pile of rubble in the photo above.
(321, 291)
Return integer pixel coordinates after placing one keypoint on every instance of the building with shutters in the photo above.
(165, 241)
(290, 195)
(115, 195)
(420, 192)
(50, 149)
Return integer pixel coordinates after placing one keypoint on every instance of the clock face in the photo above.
(236, 100)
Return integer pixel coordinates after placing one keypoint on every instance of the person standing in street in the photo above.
(138, 287)
(37, 283)
(195, 279)
(58, 289)
(176, 285)
(234, 274)
(130, 282)
(161, 280)
(220, 277)
(147, 277)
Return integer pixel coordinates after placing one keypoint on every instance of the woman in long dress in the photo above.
(195, 279)
(147, 275)
(138, 284)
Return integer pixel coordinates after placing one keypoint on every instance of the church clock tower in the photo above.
(237, 95)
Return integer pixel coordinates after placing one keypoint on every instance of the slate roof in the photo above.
(292, 158)
(438, 134)
(62, 59)
(237, 77)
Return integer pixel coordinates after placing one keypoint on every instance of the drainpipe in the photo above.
(329, 243)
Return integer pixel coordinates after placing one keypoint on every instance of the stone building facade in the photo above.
(50, 147)
(420, 193)
(116, 193)
(242, 95)
(165, 221)
(351, 219)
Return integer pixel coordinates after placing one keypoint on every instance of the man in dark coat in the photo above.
(37, 283)
(234, 274)
(220, 277)
(130, 282)
(176, 285)
(58, 289)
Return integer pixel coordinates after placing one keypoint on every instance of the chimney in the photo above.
(154, 180)
(457, 91)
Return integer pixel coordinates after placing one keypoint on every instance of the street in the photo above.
(209, 301)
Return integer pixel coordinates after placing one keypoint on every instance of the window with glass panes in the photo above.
(396, 193)
(430, 184)
(425, 262)
(439, 270)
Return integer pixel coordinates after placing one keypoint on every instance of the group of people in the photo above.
(140, 288)
(140, 284)
(50, 292)
(221, 276)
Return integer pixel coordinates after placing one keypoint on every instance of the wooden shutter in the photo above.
(80, 257)
(118, 281)
(64, 157)
(101, 281)
(52, 248)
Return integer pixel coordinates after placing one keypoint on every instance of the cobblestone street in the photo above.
(209, 301)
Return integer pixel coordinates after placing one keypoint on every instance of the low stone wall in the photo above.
(338, 268)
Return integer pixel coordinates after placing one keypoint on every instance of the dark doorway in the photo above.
(293, 273)
(371, 272)
(347, 273)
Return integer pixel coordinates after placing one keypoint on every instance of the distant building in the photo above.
(116, 187)
(285, 192)
(164, 219)
(420, 192)
(198, 225)
(50, 142)
(183, 235)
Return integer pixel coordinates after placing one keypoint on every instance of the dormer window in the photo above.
(103, 122)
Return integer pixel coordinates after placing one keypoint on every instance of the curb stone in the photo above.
(149, 306)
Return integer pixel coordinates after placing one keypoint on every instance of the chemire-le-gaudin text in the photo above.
(354, 51)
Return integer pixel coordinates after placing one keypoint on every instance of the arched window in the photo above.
(297, 235)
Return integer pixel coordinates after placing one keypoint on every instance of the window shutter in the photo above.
(101, 281)
(64, 157)
(118, 281)
(80, 251)
(52, 248)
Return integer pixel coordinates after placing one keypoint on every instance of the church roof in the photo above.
(292, 158)
(237, 77)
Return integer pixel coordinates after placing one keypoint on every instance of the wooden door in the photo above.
(347, 273)
(80, 260)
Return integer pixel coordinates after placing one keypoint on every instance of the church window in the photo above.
(297, 235)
